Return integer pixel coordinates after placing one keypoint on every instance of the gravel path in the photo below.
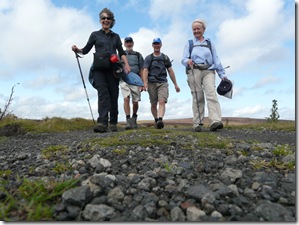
(163, 183)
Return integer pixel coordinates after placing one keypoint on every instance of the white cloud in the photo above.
(265, 81)
(38, 34)
(249, 111)
(260, 32)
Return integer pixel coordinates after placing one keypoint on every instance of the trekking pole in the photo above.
(196, 97)
(77, 56)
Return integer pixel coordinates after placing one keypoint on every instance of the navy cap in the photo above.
(224, 87)
(128, 39)
(157, 40)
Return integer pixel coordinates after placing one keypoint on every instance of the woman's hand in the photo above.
(190, 63)
(76, 49)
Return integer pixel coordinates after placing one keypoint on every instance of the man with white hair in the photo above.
(132, 92)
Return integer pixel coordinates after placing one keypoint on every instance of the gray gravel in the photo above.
(162, 183)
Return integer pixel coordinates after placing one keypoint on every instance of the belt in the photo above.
(199, 67)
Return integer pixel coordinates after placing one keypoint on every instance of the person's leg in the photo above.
(194, 81)
(136, 97)
(100, 83)
(126, 92)
(113, 88)
(213, 105)
(153, 97)
(163, 95)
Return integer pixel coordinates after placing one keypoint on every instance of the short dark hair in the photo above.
(110, 14)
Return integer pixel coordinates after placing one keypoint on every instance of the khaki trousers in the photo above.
(202, 86)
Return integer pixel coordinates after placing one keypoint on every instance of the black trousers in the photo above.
(108, 91)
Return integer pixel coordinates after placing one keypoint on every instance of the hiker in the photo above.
(156, 66)
(106, 43)
(135, 60)
(201, 62)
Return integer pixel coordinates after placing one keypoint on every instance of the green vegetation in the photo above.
(282, 150)
(119, 151)
(278, 125)
(5, 173)
(55, 151)
(149, 137)
(277, 160)
(54, 124)
(274, 116)
(273, 163)
(32, 200)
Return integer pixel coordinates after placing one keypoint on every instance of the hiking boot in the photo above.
(129, 124)
(215, 126)
(198, 128)
(134, 122)
(160, 124)
(113, 128)
(100, 128)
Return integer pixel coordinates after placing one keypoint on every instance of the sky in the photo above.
(255, 38)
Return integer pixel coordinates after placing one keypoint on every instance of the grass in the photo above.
(150, 137)
(32, 200)
(278, 126)
(54, 124)
(57, 124)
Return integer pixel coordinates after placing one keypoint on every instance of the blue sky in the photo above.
(255, 38)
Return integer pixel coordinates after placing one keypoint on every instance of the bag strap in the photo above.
(152, 59)
(191, 46)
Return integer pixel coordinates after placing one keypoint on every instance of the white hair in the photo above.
(200, 21)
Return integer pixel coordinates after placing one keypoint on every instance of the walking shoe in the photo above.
(215, 126)
(100, 128)
(113, 128)
(134, 122)
(160, 124)
(129, 124)
(198, 128)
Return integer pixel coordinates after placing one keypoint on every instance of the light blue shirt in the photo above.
(203, 55)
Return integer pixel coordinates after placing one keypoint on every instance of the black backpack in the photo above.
(166, 60)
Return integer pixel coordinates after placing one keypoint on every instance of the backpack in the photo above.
(191, 46)
(166, 60)
(138, 56)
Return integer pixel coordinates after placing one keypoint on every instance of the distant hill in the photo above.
(229, 120)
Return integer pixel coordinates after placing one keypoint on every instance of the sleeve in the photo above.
(119, 47)
(216, 61)
(185, 55)
(140, 60)
(146, 62)
(167, 62)
(90, 43)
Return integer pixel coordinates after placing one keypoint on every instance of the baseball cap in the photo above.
(157, 40)
(128, 39)
(224, 87)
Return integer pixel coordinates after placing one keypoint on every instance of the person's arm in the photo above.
(145, 78)
(218, 66)
(87, 47)
(127, 66)
(186, 60)
(173, 79)
(141, 71)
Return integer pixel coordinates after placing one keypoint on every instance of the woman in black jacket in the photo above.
(105, 40)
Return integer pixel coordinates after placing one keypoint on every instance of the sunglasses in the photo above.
(106, 18)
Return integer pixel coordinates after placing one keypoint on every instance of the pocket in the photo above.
(101, 61)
